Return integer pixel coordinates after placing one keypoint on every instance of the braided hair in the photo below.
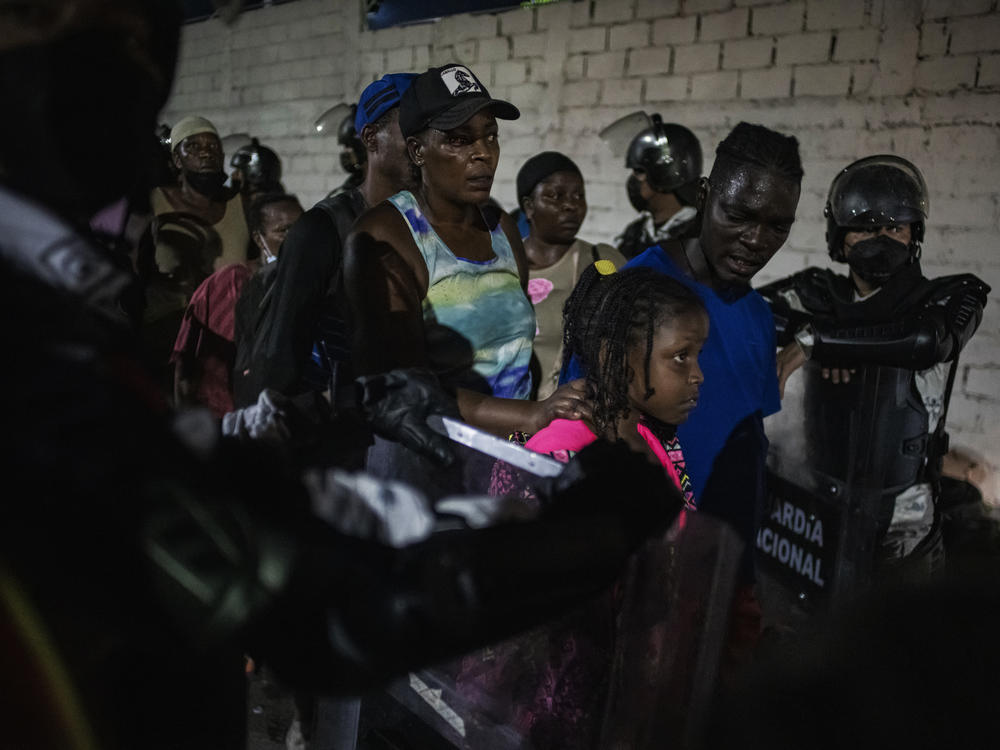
(755, 145)
(605, 317)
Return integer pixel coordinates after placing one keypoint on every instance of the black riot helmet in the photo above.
(873, 192)
(669, 155)
(260, 166)
(353, 154)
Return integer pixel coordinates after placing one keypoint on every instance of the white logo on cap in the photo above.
(460, 80)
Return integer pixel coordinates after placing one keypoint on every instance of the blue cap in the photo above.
(380, 96)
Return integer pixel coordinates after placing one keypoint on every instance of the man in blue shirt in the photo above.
(747, 206)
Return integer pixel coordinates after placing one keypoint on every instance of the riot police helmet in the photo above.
(259, 165)
(873, 192)
(668, 154)
(353, 154)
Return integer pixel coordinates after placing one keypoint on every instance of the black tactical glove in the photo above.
(397, 403)
(613, 476)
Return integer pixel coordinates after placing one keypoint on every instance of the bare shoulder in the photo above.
(380, 234)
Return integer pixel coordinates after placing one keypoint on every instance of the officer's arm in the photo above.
(337, 613)
(934, 332)
(787, 320)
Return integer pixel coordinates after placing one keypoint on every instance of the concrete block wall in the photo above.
(847, 77)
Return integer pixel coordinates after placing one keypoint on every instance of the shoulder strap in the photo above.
(343, 209)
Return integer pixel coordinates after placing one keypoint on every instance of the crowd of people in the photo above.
(187, 397)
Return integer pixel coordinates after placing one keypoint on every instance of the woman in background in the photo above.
(550, 192)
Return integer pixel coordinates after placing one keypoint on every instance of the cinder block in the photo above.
(975, 34)
(977, 142)
(373, 60)
(588, 40)
(933, 39)
(399, 59)
(989, 70)
(466, 52)
(468, 26)
(747, 53)
(696, 58)
(772, 83)
(803, 48)
(822, 80)
(530, 45)
(732, 24)
(653, 60)
(606, 65)
(621, 91)
(721, 85)
(953, 8)
(843, 14)
(276, 34)
(674, 30)
(862, 75)
(579, 15)
(561, 16)
(510, 73)
(630, 35)
(656, 8)
(961, 107)
(612, 11)
(300, 69)
(389, 38)
(439, 56)
(666, 88)
(945, 74)
(493, 50)
(518, 21)
(856, 44)
(421, 58)
(786, 18)
(966, 212)
(966, 415)
(573, 68)
(527, 96)
(705, 6)
(581, 93)
(418, 33)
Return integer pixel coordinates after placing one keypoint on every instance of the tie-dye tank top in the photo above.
(478, 322)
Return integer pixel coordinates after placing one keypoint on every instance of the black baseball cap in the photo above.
(444, 98)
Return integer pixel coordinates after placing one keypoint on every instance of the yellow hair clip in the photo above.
(605, 267)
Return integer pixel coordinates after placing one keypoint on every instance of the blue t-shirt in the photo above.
(739, 364)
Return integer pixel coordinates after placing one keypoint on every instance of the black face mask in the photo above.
(209, 184)
(634, 189)
(878, 259)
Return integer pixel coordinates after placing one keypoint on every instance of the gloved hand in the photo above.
(397, 403)
(613, 476)
(267, 420)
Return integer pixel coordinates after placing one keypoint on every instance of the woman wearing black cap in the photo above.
(437, 281)
(550, 192)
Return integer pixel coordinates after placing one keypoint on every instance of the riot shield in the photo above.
(830, 478)
(635, 667)
(619, 134)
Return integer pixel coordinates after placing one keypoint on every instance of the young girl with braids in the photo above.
(637, 334)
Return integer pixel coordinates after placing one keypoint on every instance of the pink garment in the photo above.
(207, 335)
(564, 437)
